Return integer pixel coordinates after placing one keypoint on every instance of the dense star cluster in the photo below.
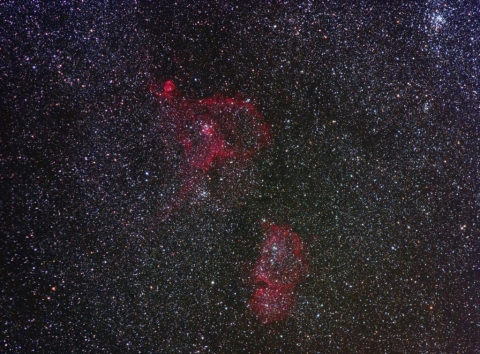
(371, 160)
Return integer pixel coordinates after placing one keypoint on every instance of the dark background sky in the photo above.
(374, 112)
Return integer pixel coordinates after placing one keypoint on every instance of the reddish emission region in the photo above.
(278, 270)
(213, 132)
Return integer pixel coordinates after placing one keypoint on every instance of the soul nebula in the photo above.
(277, 272)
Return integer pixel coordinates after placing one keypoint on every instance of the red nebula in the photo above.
(212, 132)
(278, 270)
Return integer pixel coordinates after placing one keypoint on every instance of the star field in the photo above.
(373, 161)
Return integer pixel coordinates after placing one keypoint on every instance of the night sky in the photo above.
(373, 161)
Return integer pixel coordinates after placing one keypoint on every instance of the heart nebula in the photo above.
(214, 133)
